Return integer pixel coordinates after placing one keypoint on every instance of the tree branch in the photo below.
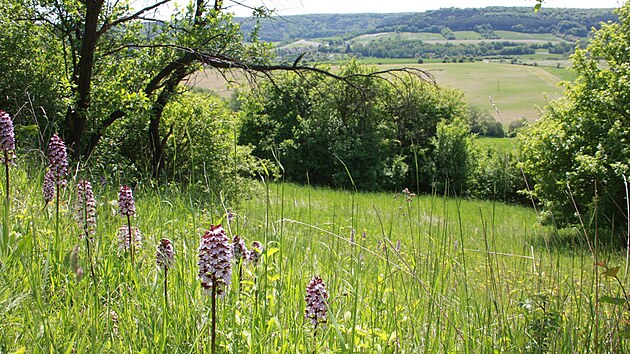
(136, 15)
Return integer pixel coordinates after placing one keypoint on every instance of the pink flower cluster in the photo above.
(239, 249)
(316, 297)
(86, 208)
(58, 160)
(215, 260)
(255, 251)
(7, 136)
(124, 238)
(126, 203)
(49, 187)
(165, 254)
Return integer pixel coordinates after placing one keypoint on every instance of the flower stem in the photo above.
(213, 330)
(5, 220)
(166, 286)
(57, 220)
(89, 252)
(131, 240)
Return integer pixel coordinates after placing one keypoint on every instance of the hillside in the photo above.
(570, 23)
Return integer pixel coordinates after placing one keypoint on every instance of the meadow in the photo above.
(404, 274)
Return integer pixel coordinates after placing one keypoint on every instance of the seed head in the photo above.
(165, 254)
(255, 251)
(58, 160)
(215, 256)
(239, 249)
(316, 297)
(125, 201)
(49, 187)
(124, 239)
(86, 208)
(7, 136)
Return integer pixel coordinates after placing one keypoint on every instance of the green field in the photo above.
(403, 274)
(421, 36)
(545, 37)
(516, 90)
(467, 35)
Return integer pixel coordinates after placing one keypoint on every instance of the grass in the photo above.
(404, 274)
(501, 144)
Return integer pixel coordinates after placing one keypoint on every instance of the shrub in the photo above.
(452, 155)
(578, 151)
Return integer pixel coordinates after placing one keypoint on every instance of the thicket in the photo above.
(386, 135)
(578, 151)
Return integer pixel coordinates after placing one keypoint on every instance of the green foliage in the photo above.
(202, 146)
(496, 175)
(578, 151)
(452, 155)
(377, 129)
(483, 123)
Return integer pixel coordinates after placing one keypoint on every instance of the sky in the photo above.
(297, 7)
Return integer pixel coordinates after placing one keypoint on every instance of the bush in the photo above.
(483, 124)
(578, 151)
(452, 156)
(320, 126)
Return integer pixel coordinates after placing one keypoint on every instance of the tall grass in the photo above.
(404, 274)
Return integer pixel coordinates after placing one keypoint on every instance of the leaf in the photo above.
(625, 333)
(612, 300)
(611, 272)
(272, 251)
(20, 350)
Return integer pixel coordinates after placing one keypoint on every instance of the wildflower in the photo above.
(215, 255)
(398, 246)
(125, 201)
(165, 253)
(256, 249)
(124, 237)
(58, 160)
(7, 136)
(49, 187)
(316, 297)
(239, 249)
(353, 232)
(408, 195)
(86, 207)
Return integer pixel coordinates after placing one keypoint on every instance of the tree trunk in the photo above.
(76, 118)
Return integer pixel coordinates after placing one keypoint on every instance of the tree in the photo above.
(578, 151)
(120, 62)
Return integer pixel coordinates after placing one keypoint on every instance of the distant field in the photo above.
(517, 90)
(467, 35)
(547, 37)
(364, 38)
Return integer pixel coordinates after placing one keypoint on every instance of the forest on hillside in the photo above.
(566, 23)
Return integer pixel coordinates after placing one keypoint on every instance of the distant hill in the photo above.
(564, 23)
